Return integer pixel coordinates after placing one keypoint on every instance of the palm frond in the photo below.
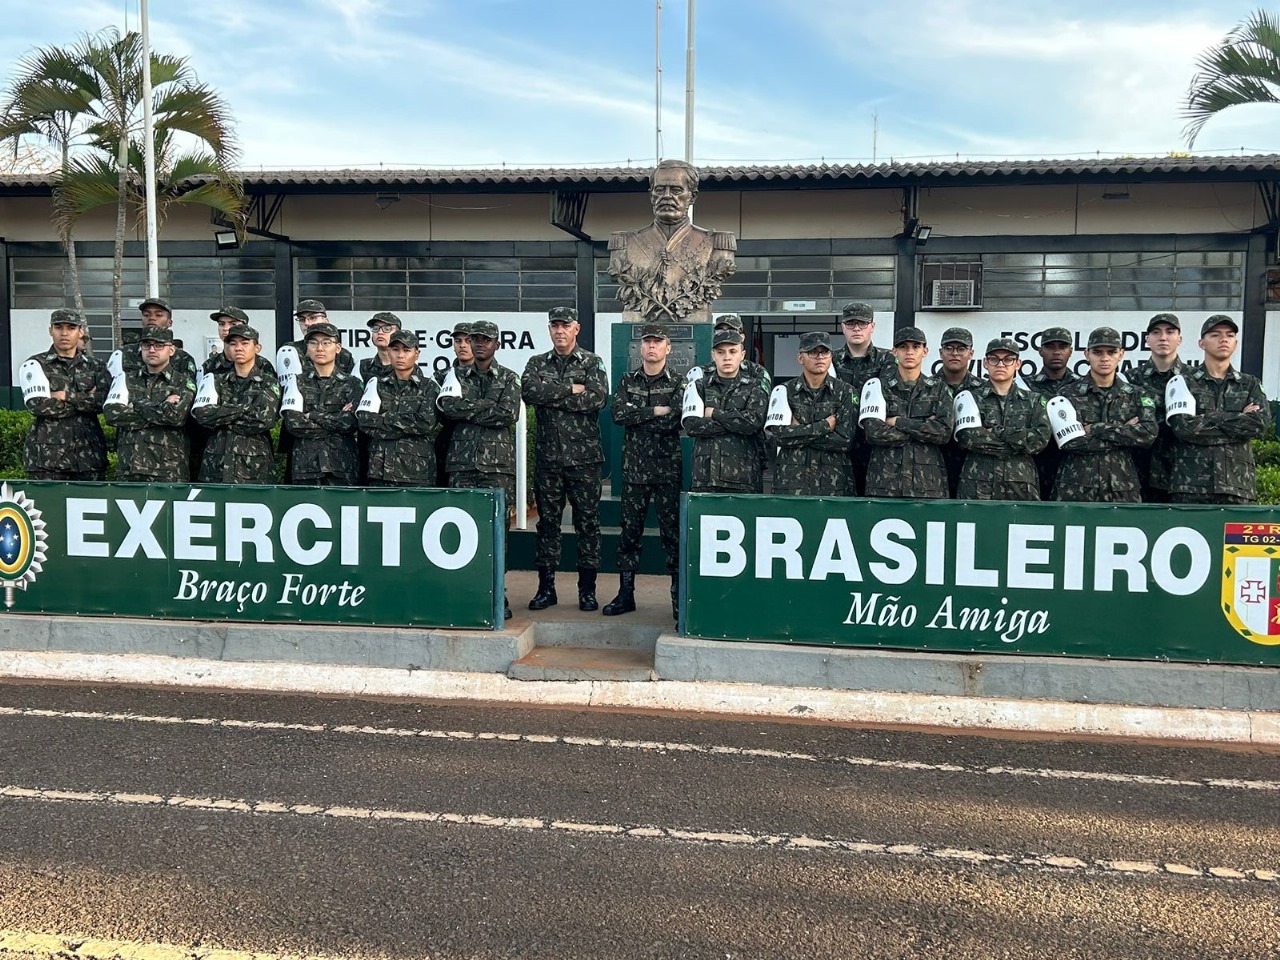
(1244, 68)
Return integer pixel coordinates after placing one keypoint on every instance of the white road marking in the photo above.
(734, 838)
(32, 943)
(650, 746)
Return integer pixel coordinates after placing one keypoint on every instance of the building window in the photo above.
(438, 284)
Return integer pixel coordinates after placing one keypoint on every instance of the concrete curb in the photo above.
(755, 700)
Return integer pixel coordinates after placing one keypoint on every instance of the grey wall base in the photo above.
(469, 651)
(1136, 683)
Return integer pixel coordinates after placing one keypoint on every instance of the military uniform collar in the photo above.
(1202, 373)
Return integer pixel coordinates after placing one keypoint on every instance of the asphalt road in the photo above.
(346, 828)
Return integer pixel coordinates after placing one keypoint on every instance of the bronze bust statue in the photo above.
(671, 270)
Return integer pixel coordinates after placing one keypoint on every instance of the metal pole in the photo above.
(657, 82)
(149, 162)
(522, 470)
(688, 89)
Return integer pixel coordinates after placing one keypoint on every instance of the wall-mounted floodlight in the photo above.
(922, 235)
(225, 240)
(384, 200)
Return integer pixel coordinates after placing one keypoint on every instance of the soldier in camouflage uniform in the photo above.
(956, 348)
(1054, 374)
(324, 430)
(402, 450)
(813, 449)
(151, 443)
(1155, 466)
(381, 327)
(750, 369)
(1117, 417)
(462, 358)
(567, 387)
(156, 312)
(647, 403)
(726, 437)
(308, 313)
(482, 448)
(248, 404)
(66, 441)
(856, 363)
(221, 362)
(906, 447)
(1015, 427)
(1213, 460)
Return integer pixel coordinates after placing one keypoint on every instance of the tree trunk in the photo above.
(122, 204)
(73, 265)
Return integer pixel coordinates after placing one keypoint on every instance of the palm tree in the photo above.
(195, 147)
(1244, 68)
(43, 103)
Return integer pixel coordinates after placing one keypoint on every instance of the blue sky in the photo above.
(358, 83)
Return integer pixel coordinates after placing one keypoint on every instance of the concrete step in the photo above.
(583, 663)
(564, 625)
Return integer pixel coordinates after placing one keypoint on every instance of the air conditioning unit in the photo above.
(952, 294)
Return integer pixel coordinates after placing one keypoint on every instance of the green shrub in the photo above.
(14, 425)
(1267, 452)
(1269, 484)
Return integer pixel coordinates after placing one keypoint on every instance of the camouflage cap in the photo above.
(815, 341)
(484, 328)
(730, 321)
(909, 335)
(1007, 344)
(243, 331)
(562, 315)
(406, 338)
(235, 313)
(322, 330)
(309, 306)
(857, 311)
(1057, 335)
(160, 302)
(1168, 318)
(726, 336)
(654, 331)
(156, 335)
(383, 318)
(462, 328)
(1105, 337)
(956, 335)
(63, 315)
(1219, 320)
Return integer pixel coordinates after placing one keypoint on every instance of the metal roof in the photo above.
(758, 176)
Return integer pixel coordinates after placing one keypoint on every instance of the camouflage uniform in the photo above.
(856, 371)
(66, 441)
(1047, 459)
(372, 367)
(726, 445)
(1155, 466)
(324, 448)
(402, 450)
(445, 436)
(240, 449)
(999, 464)
(651, 461)
(1098, 467)
(567, 450)
(953, 454)
(813, 459)
(906, 459)
(1213, 458)
(482, 448)
(151, 442)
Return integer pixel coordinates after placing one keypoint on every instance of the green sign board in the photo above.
(1142, 582)
(384, 556)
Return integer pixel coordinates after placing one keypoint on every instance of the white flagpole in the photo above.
(688, 89)
(149, 161)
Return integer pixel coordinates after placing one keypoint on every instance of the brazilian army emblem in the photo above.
(22, 541)
(1251, 580)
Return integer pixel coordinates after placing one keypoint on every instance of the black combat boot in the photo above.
(625, 601)
(587, 589)
(546, 595)
(506, 607)
(675, 596)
